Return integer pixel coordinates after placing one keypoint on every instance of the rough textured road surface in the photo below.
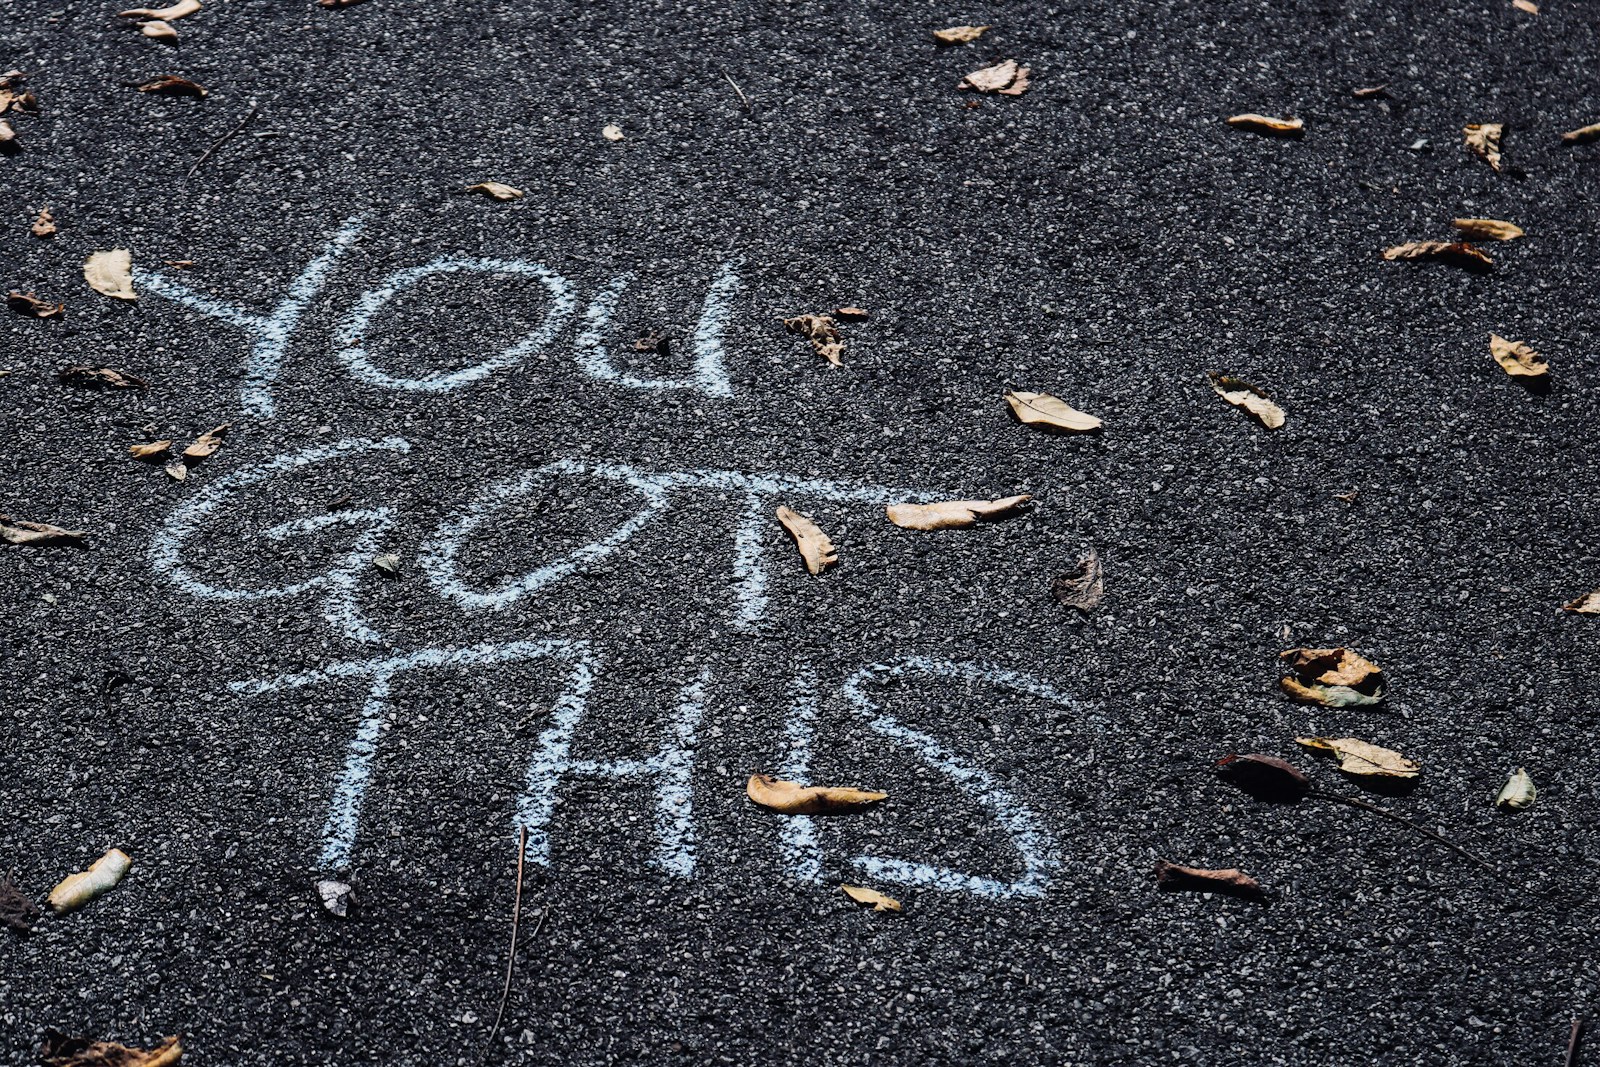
(598, 629)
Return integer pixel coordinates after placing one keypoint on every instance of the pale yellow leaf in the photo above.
(76, 890)
(878, 901)
(815, 548)
(1484, 140)
(792, 798)
(1286, 127)
(947, 514)
(147, 451)
(1242, 394)
(611, 133)
(1519, 792)
(111, 273)
(1488, 229)
(1362, 758)
(158, 30)
(1526, 5)
(960, 34)
(496, 191)
(1042, 409)
(1517, 359)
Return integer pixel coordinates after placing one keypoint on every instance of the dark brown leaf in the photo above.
(1083, 588)
(172, 85)
(1231, 880)
(16, 910)
(100, 378)
(1265, 777)
(31, 306)
(1456, 253)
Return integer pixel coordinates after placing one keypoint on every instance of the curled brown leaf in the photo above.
(59, 1050)
(1456, 253)
(1230, 880)
(823, 333)
(99, 378)
(22, 532)
(1582, 135)
(949, 514)
(815, 547)
(31, 306)
(1273, 127)
(1082, 588)
(792, 798)
(1483, 139)
(1488, 229)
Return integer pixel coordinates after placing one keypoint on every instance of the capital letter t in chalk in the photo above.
(269, 334)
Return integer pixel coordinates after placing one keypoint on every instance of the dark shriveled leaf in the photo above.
(1230, 880)
(1083, 587)
(1265, 777)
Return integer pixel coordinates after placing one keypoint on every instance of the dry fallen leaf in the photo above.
(177, 471)
(792, 798)
(815, 548)
(496, 191)
(1456, 253)
(76, 890)
(172, 85)
(100, 378)
(8, 136)
(31, 306)
(851, 314)
(947, 514)
(1587, 604)
(149, 450)
(1526, 5)
(45, 224)
(111, 273)
(1484, 140)
(59, 1050)
(339, 3)
(1488, 229)
(387, 564)
(159, 31)
(1083, 588)
(1359, 757)
(16, 910)
(862, 895)
(1268, 125)
(337, 898)
(1048, 412)
(1582, 135)
(1241, 394)
(1332, 677)
(206, 444)
(1371, 92)
(22, 532)
(822, 332)
(611, 132)
(1231, 880)
(1518, 794)
(1265, 777)
(960, 34)
(1007, 79)
(1517, 359)
(182, 9)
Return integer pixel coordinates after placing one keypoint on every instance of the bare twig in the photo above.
(1418, 827)
(742, 98)
(511, 959)
(224, 139)
(1574, 1041)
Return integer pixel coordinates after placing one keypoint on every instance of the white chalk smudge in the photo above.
(798, 833)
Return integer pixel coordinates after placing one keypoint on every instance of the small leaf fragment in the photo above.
(339, 3)
(823, 333)
(100, 378)
(1582, 135)
(1241, 394)
(1007, 79)
(1265, 777)
(182, 9)
(16, 910)
(1518, 794)
(44, 225)
(149, 450)
(1587, 604)
(862, 895)
(611, 132)
(496, 191)
(1484, 140)
(1049, 412)
(1229, 880)
(1332, 677)
(173, 85)
(1517, 359)
(59, 1050)
(336, 897)
(792, 798)
(1456, 253)
(22, 532)
(159, 31)
(960, 34)
(388, 564)
(1526, 5)
(76, 890)
(8, 136)
(1083, 587)
(177, 471)
(31, 306)
(111, 273)
(851, 314)
(949, 514)
(1361, 758)
(1371, 92)
(1488, 229)
(815, 547)
(206, 444)
(1274, 127)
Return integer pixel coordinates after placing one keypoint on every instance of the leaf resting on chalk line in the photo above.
(1483, 139)
(337, 898)
(31, 306)
(1488, 229)
(206, 444)
(16, 910)
(1228, 880)
(496, 191)
(1007, 79)
(59, 1050)
(182, 9)
(100, 378)
(1361, 758)
(1241, 394)
(862, 895)
(1268, 125)
(1049, 412)
(1587, 604)
(387, 564)
(22, 532)
(1332, 677)
(815, 547)
(1265, 777)
(1456, 253)
(823, 333)
(150, 449)
(792, 798)
(1582, 135)
(111, 273)
(1083, 588)
(76, 890)
(960, 34)
(1518, 794)
(172, 85)
(1517, 359)
(948, 514)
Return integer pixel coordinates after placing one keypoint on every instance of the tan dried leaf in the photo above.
(1268, 125)
(611, 132)
(1517, 359)
(111, 273)
(31, 306)
(1519, 792)
(182, 9)
(206, 444)
(792, 798)
(1587, 604)
(496, 191)
(1332, 677)
(1583, 134)
(99, 378)
(45, 224)
(59, 1050)
(1229, 880)
(1488, 229)
(823, 333)
(815, 548)
(1526, 5)
(1049, 412)
(177, 470)
(960, 34)
(1362, 758)
(1007, 79)
(159, 31)
(862, 895)
(22, 532)
(851, 314)
(1241, 394)
(1083, 588)
(150, 449)
(1456, 253)
(8, 135)
(76, 890)
(1484, 140)
(172, 85)
(1371, 92)
(948, 514)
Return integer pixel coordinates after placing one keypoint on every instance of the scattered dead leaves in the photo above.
(1484, 140)
(496, 191)
(823, 333)
(1362, 758)
(862, 895)
(792, 798)
(44, 225)
(1582, 135)
(1049, 412)
(173, 85)
(1517, 359)
(1083, 587)
(1456, 253)
(960, 34)
(815, 547)
(1230, 880)
(182, 9)
(1265, 777)
(22, 532)
(1272, 127)
(1587, 604)
(948, 514)
(111, 273)
(1005, 78)
(59, 1050)
(16, 910)
(1332, 677)
(100, 378)
(1488, 229)
(1241, 394)
(31, 306)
